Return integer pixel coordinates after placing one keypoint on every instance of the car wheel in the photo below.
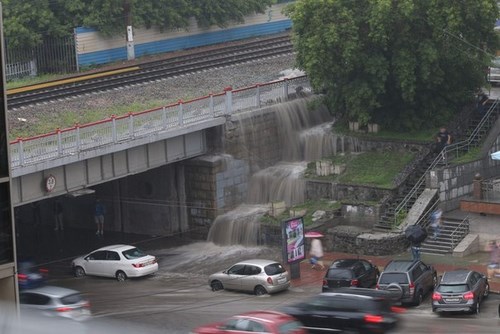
(79, 272)
(121, 276)
(486, 291)
(216, 285)
(419, 298)
(477, 309)
(260, 290)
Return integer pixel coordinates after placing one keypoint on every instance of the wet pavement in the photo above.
(55, 249)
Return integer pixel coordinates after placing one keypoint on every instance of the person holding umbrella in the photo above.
(316, 251)
(415, 234)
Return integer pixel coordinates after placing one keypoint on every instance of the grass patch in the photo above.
(377, 169)
(309, 207)
(471, 155)
(66, 119)
(28, 81)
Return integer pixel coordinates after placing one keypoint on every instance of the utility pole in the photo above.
(130, 34)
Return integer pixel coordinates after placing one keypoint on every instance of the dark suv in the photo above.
(411, 279)
(350, 272)
(353, 310)
(460, 290)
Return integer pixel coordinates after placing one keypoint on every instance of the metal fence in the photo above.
(120, 129)
(54, 55)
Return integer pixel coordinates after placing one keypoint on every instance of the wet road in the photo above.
(178, 298)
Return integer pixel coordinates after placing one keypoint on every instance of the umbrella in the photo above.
(313, 234)
(495, 156)
(415, 233)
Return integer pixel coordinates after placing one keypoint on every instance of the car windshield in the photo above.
(388, 278)
(495, 62)
(133, 253)
(339, 274)
(452, 288)
(274, 269)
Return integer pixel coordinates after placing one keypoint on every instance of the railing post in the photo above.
(78, 140)
(59, 142)
(131, 125)
(229, 100)
(180, 115)
(113, 129)
(257, 95)
(164, 117)
(21, 151)
(211, 104)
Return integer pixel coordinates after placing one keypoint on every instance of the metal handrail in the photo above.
(463, 227)
(72, 141)
(449, 148)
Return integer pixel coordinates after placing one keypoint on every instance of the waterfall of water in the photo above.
(304, 135)
(239, 226)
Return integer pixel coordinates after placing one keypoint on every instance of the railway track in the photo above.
(149, 72)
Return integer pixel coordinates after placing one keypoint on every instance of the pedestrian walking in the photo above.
(58, 216)
(443, 138)
(436, 222)
(415, 251)
(494, 263)
(317, 254)
(100, 211)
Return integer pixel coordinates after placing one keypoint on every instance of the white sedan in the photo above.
(119, 261)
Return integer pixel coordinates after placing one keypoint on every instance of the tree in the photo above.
(405, 64)
(27, 21)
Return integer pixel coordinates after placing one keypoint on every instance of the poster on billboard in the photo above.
(293, 239)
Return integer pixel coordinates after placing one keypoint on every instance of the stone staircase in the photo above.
(452, 232)
(478, 127)
(411, 184)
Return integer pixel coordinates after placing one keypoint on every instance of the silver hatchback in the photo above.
(54, 301)
(257, 276)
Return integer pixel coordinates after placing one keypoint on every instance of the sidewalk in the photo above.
(477, 261)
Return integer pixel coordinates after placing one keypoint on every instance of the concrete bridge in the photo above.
(71, 160)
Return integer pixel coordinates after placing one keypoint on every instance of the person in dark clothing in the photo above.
(443, 138)
(415, 251)
(100, 211)
(58, 213)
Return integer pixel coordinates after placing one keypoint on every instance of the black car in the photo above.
(350, 273)
(460, 291)
(411, 279)
(357, 310)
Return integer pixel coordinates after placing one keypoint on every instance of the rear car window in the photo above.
(339, 274)
(133, 253)
(274, 269)
(388, 278)
(452, 288)
(71, 299)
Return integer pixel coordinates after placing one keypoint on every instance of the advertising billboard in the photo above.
(293, 239)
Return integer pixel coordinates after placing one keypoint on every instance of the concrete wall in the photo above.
(214, 184)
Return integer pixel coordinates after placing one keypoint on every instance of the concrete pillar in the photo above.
(477, 192)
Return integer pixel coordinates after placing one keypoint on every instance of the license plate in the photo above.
(452, 300)
(281, 280)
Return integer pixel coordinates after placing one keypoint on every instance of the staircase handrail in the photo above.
(463, 227)
(446, 149)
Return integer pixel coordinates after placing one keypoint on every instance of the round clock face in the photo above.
(50, 183)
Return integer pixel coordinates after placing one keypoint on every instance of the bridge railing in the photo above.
(118, 129)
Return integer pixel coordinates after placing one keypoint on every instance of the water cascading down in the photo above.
(303, 135)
